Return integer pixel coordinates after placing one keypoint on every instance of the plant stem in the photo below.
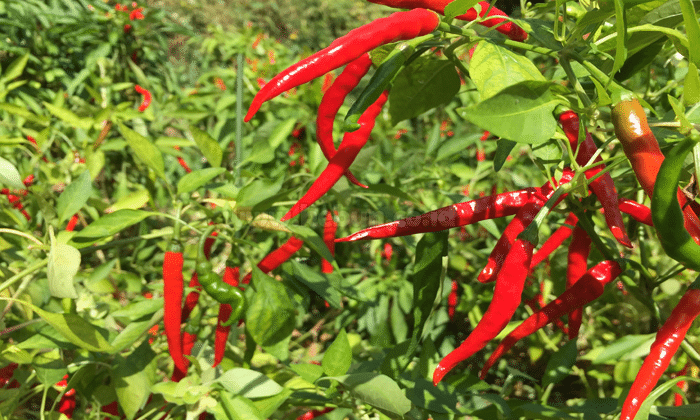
(32, 268)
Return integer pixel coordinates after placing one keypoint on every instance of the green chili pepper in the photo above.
(666, 212)
(215, 287)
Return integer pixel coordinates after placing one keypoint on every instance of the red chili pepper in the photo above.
(683, 385)
(312, 414)
(67, 404)
(136, 14)
(221, 337)
(506, 299)
(667, 341)
(329, 230)
(555, 239)
(452, 300)
(509, 29)
(537, 303)
(347, 152)
(642, 150)
(188, 341)
(577, 266)
(73, 222)
(277, 257)
(182, 162)
(603, 187)
(461, 214)
(332, 101)
(639, 212)
(502, 248)
(396, 27)
(173, 287)
(588, 288)
(146, 97)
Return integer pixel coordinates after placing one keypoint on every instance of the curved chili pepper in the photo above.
(72, 222)
(188, 338)
(667, 341)
(639, 212)
(666, 211)
(537, 303)
(502, 248)
(347, 152)
(396, 27)
(555, 239)
(588, 288)
(603, 187)
(577, 266)
(332, 101)
(221, 335)
(173, 288)
(277, 257)
(329, 230)
(460, 214)
(146, 102)
(506, 299)
(509, 29)
(221, 291)
(642, 150)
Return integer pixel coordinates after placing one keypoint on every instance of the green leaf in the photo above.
(281, 133)
(458, 7)
(629, 346)
(249, 383)
(503, 149)
(258, 191)
(132, 201)
(49, 367)
(426, 84)
(15, 68)
(337, 359)
(64, 262)
(69, 117)
(692, 29)
(376, 390)
(239, 408)
(133, 378)
(309, 372)
(427, 272)
(110, 224)
(144, 149)
(209, 147)
(526, 107)
(560, 364)
(493, 68)
(76, 330)
(268, 406)
(9, 175)
(691, 86)
(621, 26)
(319, 284)
(270, 317)
(646, 407)
(24, 113)
(74, 197)
(196, 179)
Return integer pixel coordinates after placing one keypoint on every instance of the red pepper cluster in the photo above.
(181, 342)
(13, 196)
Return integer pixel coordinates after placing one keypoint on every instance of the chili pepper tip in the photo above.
(440, 372)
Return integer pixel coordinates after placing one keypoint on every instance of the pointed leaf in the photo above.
(110, 224)
(337, 359)
(493, 68)
(144, 149)
(74, 197)
(270, 317)
(68, 117)
(377, 390)
(64, 262)
(9, 175)
(208, 146)
(196, 179)
(249, 383)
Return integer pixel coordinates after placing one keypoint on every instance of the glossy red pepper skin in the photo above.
(639, 212)
(555, 240)
(642, 150)
(603, 187)
(509, 29)
(577, 266)
(461, 214)
(347, 152)
(221, 335)
(277, 257)
(452, 299)
(506, 299)
(329, 229)
(538, 302)
(667, 341)
(332, 101)
(398, 26)
(188, 341)
(173, 289)
(496, 261)
(588, 288)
